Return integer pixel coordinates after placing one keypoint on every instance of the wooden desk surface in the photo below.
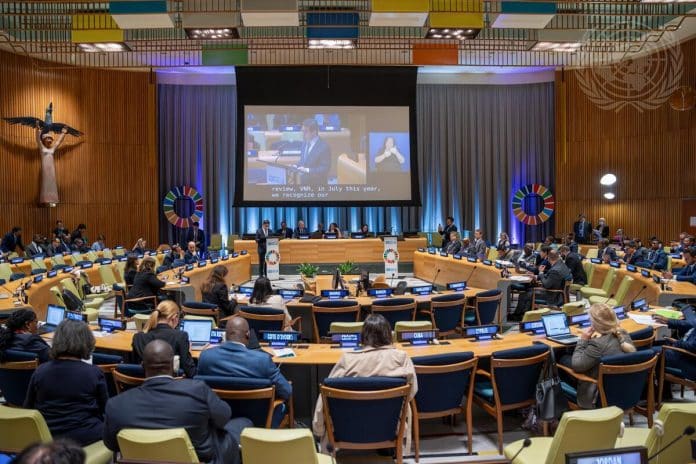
(319, 353)
(40, 296)
(366, 250)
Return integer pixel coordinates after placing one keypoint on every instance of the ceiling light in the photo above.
(608, 179)
(340, 44)
(104, 47)
(609, 196)
(212, 33)
(459, 34)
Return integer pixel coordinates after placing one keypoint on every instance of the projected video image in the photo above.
(318, 153)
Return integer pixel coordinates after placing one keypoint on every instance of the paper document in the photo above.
(645, 319)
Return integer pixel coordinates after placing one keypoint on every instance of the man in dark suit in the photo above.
(453, 244)
(301, 229)
(634, 254)
(12, 240)
(315, 158)
(261, 235)
(284, 231)
(605, 252)
(686, 331)
(656, 257)
(233, 359)
(191, 256)
(573, 262)
(553, 278)
(582, 229)
(34, 248)
(688, 272)
(163, 403)
(197, 235)
(445, 231)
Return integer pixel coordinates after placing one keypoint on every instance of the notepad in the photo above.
(669, 313)
(283, 353)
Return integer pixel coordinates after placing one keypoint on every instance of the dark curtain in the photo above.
(477, 145)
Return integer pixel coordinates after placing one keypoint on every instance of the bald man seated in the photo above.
(162, 402)
(233, 359)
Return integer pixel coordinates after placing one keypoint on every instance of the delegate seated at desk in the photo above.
(315, 159)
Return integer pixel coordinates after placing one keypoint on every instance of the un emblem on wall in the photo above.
(642, 75)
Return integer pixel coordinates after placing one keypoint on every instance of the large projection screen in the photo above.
(343, 141)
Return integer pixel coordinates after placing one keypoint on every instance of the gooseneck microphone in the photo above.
(688, 431)
(526, 443)
(470, 274)
(609, 298)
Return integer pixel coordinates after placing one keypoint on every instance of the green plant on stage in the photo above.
(307, 270)
(346, 268)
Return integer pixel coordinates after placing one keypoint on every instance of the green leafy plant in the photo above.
(307, 270)
(346, 268)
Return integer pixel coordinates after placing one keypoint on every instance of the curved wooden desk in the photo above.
(365, 250)
(40, 296)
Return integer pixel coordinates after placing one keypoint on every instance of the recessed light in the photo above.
(609, 196)
(608, 179)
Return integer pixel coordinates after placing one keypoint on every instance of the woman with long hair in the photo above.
(263, 295)
(604, 337)
(333, 229)
(70, 394)
(215, 291)
(19, 333)
(130, 269)
(163, 325)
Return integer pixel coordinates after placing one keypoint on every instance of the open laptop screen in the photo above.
(54, 315)
(197, 330)
(555, 324)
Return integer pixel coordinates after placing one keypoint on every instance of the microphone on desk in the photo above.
(437, 273)
(609, 298)
(688, 431)
(525, 444)
(637, 295)
(470, 274)
(391, 281)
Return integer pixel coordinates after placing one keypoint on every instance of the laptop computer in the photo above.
(557, 329)
(198, 332)
(54, 316)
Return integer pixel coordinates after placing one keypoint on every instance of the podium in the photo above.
(279, 173)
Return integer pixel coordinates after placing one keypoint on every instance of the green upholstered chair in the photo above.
(577, 431)
(162, 445)
(588, 291)
(675, 417)
(291, 446)
(345, 327)
(621, 293)
(20, 428)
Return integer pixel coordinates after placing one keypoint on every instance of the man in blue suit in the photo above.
(315, 159)
(686, 333)
(688, 272)
(656, 257)
(233, 359)
(12, 240)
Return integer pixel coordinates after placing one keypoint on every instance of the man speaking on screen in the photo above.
(315, 158)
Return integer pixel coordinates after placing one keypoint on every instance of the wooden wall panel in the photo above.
(653, 154)
(108, 178)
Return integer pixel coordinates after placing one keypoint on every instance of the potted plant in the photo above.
(308, 273)
(346, 268)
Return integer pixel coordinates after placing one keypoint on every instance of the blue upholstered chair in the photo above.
(621, 381)
(107, 363)
(262, 319)
(684, 375)
(643, 339)
(199, 308)
(325, 312)
(511, 382)
(446, 312)
(15, 373)
(128, 307)
(127, 376)
(486, 306)
(395, 309)
(445, 388)
(365, 412)
(251, 398)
